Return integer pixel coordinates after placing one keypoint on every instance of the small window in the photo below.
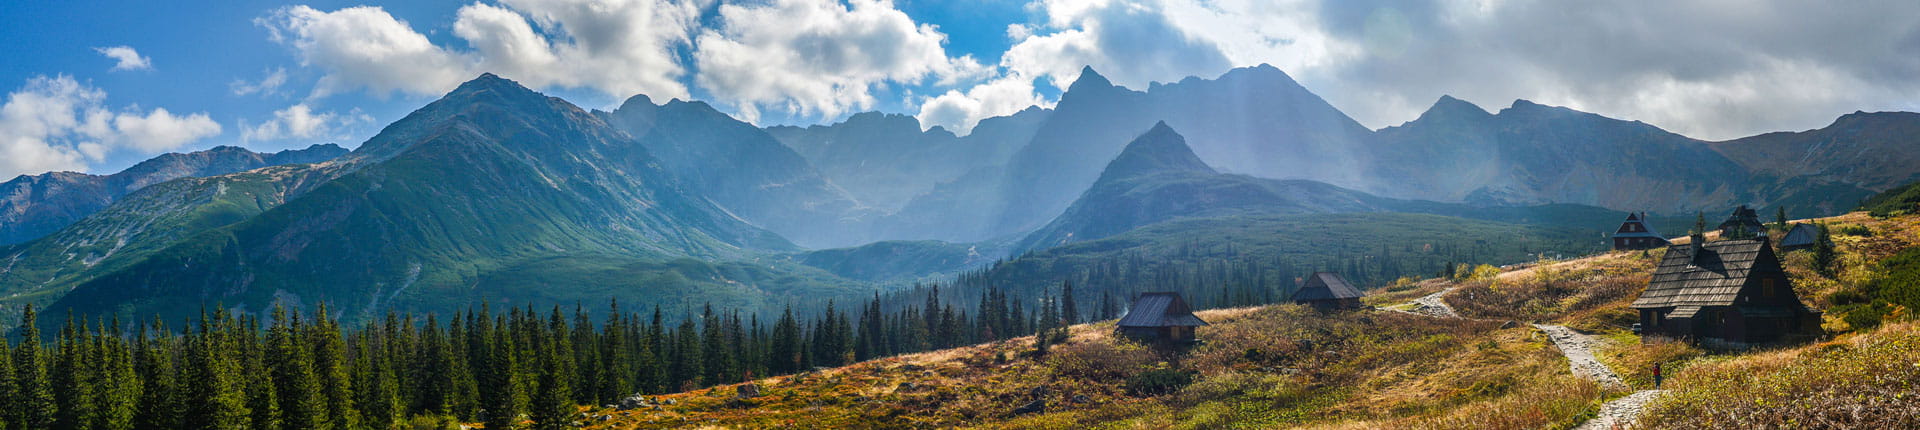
(1766, 288)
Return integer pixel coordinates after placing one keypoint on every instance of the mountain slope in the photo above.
(884, 160)
(538, 179)
(1157, 178)
(744, 170)
(1255, 121)
(37, 205)
(1875, 151)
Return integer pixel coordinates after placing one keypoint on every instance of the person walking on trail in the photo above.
(1656, 375)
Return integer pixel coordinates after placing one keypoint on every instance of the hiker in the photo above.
(1656, 375)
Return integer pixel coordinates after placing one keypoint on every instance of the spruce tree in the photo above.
(783, 356)
(302, 402)
(1823, 251)
(8, 402)
(34, 406)
(1069, 312)
(553, 402)
(330, 369)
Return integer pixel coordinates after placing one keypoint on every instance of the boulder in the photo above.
(1036, 406)
(748, 390)
(1081, 399)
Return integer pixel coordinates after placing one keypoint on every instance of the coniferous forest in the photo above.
(519, 368)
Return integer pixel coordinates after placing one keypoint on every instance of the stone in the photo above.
(906, 386)
(1035, 406)
(1038, 391)
(1082, 399)
(748, 390)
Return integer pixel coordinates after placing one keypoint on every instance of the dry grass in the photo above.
(1590, 294)
(1869, 380)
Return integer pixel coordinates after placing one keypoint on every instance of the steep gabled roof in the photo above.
(1636, 226)
(1160, 310)
(1712, 278)
(1744, 217)
(1326, 286)
(1801, 235)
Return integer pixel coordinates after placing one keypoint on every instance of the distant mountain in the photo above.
(493, 191)
(1158, 178)
(898, 260)
(1255, 121)
(1531, 153)
(37, 205)
(885, 160)
(744, 170)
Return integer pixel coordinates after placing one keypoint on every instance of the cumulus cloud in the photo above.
(364, 47)
(618, 47)
(300, 121)
(820, 57)
(268, 85)
(58, 123)
(125, 58)
(960, 111)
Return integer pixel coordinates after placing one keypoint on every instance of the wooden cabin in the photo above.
(1726, 294)
(1744, 219)
(1802, 236)
(1327, 291)
(1635, 234)
(1159, 317)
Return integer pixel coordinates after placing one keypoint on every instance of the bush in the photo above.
(429, 422)
(1099, 361)
(1856, 230)
(1158, 381)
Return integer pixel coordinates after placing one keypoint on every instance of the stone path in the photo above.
(1617, 414)
(1579, 351)
(1434, 305)
(1622, 412)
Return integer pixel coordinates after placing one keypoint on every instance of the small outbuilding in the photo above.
(1742, 220)
(1727, 294)
(1160, 317)
(1802, 236)
(1635, 234)
(1327, 291)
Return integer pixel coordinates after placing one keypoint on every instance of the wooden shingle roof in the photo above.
(1801, 235)
(1712, 278)
(1326, 286)
(1160, 310)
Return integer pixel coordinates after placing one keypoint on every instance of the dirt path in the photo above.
(1622, 412)
(1579, 351)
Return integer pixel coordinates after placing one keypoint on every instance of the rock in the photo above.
(667, 402)
(604, 418)
(911, 367)
(1081, 399)
(1038, 391)
(748, 390)
(633, 402)
(1035, 406)
(906, 386)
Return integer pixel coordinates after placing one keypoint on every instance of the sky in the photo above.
(97, 85)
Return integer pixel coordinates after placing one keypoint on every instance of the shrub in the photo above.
(1856, 230)
(1099, 361)
(429, 422)
(1158, 381)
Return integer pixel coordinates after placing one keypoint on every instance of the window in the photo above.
(1766, 288)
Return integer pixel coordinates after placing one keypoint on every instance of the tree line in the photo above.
(522, 368)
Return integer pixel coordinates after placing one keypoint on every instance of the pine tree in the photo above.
(1823, 253)
(159, 404)
(34, 407)
(1069, 312)
(330, 369)
(553, 403)
(8, 402)
(783, 355)
(509, 399)
(215, 394)
(1780, 217)
(716, 357)
(302, 401)
(120, 389)
(686, 361)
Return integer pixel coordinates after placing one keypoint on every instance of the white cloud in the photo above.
(125, 58)
(363, 47)
(961, 111)
(268, 85)
(58, 123)
(301, 122)
(618, 47)
(820, 57)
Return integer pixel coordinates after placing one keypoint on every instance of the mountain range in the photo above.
(32, 206)
(498, 193)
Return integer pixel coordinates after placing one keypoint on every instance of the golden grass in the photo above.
(1866, 380)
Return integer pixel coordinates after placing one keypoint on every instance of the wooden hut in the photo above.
(1159, 317)
(1636, 234)
(1728, 293)
(1802, 236)
(1743, 219)
(1327, 291)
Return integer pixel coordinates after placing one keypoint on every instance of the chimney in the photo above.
(1696, 244)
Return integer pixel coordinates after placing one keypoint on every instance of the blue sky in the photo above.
(98, 85)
